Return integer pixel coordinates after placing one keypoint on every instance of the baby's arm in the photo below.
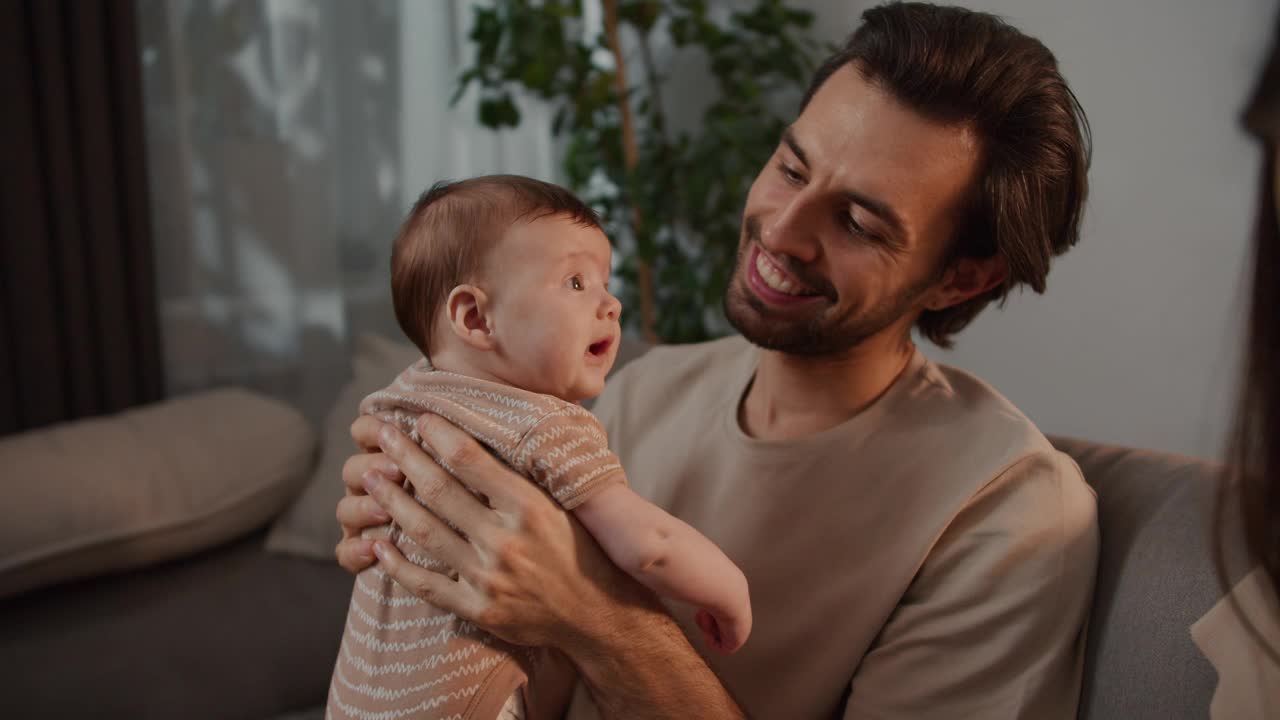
(672, 559)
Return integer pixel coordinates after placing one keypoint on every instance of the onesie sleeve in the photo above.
(567, 453)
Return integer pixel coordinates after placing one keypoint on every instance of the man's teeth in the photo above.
(775, 280)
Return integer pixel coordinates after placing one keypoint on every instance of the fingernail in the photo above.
(386, 437)
(379, 551)
(371, 480)
(389, 468)
(381, 515)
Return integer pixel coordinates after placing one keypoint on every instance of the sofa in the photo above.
(248, 627)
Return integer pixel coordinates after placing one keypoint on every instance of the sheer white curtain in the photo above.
(286, 138)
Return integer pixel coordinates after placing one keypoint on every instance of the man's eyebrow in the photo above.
(789, 139)
(879, 208)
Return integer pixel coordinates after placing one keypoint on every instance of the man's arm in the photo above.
(527, 572)
(671, 558)
(993, 625)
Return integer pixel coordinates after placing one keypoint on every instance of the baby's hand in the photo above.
(725, 633)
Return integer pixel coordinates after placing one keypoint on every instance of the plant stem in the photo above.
(655, 95)
(629, 156)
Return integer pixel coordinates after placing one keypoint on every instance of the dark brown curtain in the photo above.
(78, 325)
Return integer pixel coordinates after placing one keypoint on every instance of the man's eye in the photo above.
(855, 227)
(791, 175)
(575, 283)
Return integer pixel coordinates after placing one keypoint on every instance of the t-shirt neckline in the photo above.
(851, 429)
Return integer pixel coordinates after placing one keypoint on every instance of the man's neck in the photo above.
(796, 395)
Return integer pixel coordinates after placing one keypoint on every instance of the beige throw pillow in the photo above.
(152, 483)
(309, 527)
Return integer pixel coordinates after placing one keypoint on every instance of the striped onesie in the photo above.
(404, 658)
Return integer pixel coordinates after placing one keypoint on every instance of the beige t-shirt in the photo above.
(1248, 678)
(932, 557)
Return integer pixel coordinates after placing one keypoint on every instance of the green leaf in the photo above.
(499, 112)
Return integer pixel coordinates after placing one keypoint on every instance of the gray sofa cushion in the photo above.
(232, 633)
(1155, 578)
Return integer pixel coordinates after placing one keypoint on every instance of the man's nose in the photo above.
(793, 230)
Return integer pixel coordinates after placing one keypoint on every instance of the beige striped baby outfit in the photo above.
(403, 658)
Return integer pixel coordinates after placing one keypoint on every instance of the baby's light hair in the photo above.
(449, 231)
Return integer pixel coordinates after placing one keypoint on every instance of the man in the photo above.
(914, 546)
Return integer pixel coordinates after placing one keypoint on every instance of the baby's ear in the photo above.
(468, 308)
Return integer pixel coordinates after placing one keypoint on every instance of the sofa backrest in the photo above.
(1155, 578)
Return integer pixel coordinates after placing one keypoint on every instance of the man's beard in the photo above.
(820, 334)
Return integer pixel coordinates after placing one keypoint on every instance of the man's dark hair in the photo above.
(973, 70)
(451, 228)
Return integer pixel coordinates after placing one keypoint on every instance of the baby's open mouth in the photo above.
(600, 347)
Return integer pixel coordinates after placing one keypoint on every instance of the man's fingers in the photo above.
(436, 538)
(437, 489)
(356, 466)
(468, 461)
(365, 432)
(433, 587)
(354, 554)
(356, 512)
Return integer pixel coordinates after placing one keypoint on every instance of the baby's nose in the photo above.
(611, 307)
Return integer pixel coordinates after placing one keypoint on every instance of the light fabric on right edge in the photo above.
(931, 557)
(1248, 677)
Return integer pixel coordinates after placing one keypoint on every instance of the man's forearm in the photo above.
(642, 666)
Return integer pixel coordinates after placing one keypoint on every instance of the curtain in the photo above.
(285, 141)
(78, 331)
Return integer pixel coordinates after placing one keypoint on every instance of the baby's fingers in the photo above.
(710, 629)
(723, 634)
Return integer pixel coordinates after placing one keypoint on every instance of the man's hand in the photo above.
(357, 511)
(527, 571)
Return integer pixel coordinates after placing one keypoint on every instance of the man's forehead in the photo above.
(869, 142)
(851, 111)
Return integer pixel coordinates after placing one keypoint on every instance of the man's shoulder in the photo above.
(958, 416)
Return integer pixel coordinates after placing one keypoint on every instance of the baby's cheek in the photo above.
(547, 359)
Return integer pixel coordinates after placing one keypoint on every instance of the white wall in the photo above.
(1136, 340)
(443, 142)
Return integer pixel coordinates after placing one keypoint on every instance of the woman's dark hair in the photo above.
(1252, 479)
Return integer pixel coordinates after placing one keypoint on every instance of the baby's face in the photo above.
(555, 323)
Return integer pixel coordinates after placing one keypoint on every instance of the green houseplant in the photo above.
(671, 200)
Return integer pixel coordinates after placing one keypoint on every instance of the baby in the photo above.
(502, 282)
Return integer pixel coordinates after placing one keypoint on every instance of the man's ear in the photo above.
(469, 316)
(967, 278)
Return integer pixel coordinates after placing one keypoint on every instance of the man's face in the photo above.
(846, 228)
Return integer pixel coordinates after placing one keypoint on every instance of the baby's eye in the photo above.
(576, 283)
